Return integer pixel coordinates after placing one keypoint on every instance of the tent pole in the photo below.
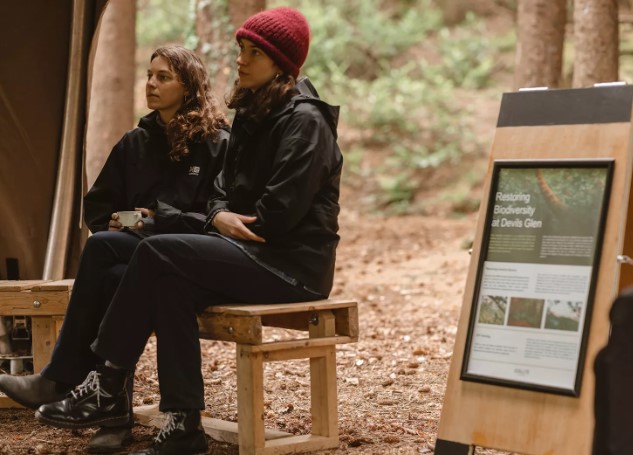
(72, 134)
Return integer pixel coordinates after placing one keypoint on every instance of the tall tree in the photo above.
(111, 98)
(596, 42)
(540, 39)
(216, 22)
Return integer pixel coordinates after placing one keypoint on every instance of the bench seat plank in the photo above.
(15, 285)
(280, 308)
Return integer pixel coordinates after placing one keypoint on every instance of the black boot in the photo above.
(110, 440)
(113, 439)
(181, 434)
(101, 400)
(33, 390)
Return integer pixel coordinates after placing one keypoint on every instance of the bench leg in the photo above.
(323, 382)
(250, 401)
(43, 338)
(323, 394)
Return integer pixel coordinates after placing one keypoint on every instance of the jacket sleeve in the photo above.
(107, 194)
(170, 220)
(217, 201)
(303, 162)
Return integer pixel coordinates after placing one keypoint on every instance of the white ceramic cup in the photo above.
(129, 218)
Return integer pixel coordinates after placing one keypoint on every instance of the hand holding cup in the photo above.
(129, 218)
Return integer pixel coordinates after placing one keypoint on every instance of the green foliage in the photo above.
(164, 21)
(394, 68)
(361, 37)
(468, 62)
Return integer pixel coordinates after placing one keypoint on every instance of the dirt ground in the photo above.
(408, 275)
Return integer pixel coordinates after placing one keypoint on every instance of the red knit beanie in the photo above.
(282, 33)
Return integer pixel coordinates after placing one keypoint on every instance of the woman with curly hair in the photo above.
(271, 237)
(164, 168)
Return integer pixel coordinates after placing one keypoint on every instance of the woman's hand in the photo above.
(234, 225)
(145, 212)
(114, 224)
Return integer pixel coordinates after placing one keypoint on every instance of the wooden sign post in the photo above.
(521, 377)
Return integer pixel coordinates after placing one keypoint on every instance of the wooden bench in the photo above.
(45, 302)
(321, 325)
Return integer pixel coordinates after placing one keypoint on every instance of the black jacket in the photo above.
(139, 173)
(286, 171)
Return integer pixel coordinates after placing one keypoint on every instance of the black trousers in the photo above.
(102, 264)
(613, 367)
(169, 279)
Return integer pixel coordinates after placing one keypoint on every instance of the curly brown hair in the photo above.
(199, 117)
(258, 104)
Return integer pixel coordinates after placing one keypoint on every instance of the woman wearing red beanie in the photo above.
(272, 225)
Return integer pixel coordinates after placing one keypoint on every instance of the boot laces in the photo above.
(90, 384)
(174, 420)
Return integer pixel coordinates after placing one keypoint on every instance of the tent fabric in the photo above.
(34, 44)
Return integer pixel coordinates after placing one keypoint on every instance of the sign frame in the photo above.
(537, 346)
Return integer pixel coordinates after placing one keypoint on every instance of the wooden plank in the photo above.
(323, 382)
(280, 308)
(28, 303)
(297, 353)
(219, 430)
(18, 285)
(250, 400)
(239, 329)
(346, 320)
(60, 285)
(59, 321)
(298, 344)
(297, 444)
(43, 340)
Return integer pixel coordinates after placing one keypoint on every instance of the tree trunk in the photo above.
(540, 38)
(111, 97)
(240, 10)
(596, 42)
(216, 22)
(453, 11)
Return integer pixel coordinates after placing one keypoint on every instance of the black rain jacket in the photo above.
(286, 171)
(139, 173)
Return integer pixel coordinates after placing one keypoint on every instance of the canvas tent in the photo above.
(45, 49)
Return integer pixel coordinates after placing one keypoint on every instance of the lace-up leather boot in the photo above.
(101, 400)
(181, 434)
(114, 439)
(32, 391)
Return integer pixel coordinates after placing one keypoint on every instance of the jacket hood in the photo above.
(309, 94)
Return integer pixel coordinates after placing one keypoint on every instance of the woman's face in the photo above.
(254, 67)
(164, 90)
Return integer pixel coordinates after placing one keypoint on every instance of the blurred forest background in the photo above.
(418, 81)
